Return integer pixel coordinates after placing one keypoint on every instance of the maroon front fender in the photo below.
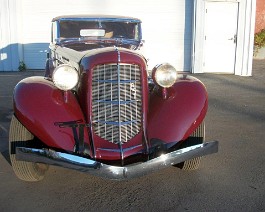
(38, 104)
(176, 117)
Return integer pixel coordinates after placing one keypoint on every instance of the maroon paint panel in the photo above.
(38, 104)
(175, 118)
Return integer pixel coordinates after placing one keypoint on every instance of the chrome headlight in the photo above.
(65, 77)
(164, 75)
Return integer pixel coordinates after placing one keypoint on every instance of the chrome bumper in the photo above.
(114, 172)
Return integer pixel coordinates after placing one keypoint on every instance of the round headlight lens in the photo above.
(65, 77)
(165, 75)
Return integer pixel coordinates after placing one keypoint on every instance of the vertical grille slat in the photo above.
(116, 101)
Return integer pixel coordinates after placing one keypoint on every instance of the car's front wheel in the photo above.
(20, 136)
(197, 137)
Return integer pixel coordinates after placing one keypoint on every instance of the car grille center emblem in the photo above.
(133, 90)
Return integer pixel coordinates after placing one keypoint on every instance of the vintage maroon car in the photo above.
(97, 110)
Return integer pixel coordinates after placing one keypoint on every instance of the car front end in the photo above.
(98, 111)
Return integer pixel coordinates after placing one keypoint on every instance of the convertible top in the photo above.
(97, 18)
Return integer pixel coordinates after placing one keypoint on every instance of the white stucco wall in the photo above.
(172, 30)
(167, 26)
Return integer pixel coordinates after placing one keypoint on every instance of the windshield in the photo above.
(83, 29)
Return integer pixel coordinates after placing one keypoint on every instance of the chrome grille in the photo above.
(116, 101)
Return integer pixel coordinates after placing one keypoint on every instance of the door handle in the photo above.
(234, 38)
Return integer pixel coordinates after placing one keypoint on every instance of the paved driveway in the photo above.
(231, 180)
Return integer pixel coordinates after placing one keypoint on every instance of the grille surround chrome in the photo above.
(116, 101)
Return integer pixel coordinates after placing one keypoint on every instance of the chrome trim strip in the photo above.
(114, 172)
(116, 81)
(119, 105)
(124, 150)
(116, 102)
(116, 123)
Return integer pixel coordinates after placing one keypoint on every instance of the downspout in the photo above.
(193, 36)
(248, 40)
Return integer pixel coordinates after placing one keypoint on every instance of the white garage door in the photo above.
(167, 26)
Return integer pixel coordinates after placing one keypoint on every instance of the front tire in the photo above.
(20, 136)
(197, 137)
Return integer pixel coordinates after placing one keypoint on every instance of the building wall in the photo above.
(260, 16)
(9, 59)
(167, 27)
(173, 30)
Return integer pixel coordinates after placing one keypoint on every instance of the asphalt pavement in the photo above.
(231, 180)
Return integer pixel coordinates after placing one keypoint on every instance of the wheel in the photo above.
(20, 136)
(197, 137)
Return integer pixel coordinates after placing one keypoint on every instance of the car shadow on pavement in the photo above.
(5, 117)
(5, 154)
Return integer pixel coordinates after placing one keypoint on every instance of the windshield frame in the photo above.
(57, 39)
